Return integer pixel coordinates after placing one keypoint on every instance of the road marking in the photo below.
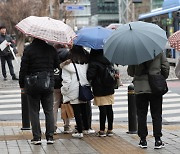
(9, 91)
(10, 96)
(10, 103)
(18, 100)
(14, 112)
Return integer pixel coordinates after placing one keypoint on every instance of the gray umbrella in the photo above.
(135, 43)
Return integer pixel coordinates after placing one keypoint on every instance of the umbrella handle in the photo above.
(130, 27)
(154, 53)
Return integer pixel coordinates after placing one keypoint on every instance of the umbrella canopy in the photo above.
(47, 29)
(135, 43)
(174, 40)
(92, 37)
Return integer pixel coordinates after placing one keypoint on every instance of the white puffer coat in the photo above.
(70, 84)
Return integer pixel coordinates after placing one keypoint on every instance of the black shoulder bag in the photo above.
(38, 82)
(85, 93)
(157, 83)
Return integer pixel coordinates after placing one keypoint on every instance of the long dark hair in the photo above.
(94, 53)
(79, 55)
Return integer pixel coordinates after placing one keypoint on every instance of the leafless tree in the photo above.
(55, 6)
(13, 11)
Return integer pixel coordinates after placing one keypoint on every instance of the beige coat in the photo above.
(139, 72)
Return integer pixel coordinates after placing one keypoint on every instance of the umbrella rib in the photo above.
(47, 29)
(152, 39)
(151, 32)
(137, 36)
(132, 47)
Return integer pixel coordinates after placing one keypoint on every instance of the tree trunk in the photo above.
(20, 44)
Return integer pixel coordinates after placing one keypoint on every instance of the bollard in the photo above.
(25, 112)
(132, 113)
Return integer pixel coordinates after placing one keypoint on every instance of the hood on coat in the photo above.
(63, 54)
(69, 67)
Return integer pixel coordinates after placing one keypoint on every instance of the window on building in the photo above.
(109, 1)
(156, 4)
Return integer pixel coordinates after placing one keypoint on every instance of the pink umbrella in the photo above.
(174, 40)
(47, 29)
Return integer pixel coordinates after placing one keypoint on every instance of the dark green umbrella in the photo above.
(135, 43)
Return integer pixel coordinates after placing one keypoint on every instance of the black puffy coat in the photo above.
(37, 57)
(97, 64)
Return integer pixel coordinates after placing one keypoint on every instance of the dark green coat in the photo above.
(139, 72)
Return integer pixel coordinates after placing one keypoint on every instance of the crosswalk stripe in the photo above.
(95, 109)
(172, 119)
(10, 103)
(171, 95)
(10, 100)
(174, 111)
(14, 112)
(16, 97)
(10, 96)
(9, 91)
(116, 100)
(10, 106)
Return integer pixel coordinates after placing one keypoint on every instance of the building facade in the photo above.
(143, 7)
(76, 13)
(155, 4)
(104, 12)
(168, 18)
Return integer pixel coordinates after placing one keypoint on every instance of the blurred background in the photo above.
(83, 13)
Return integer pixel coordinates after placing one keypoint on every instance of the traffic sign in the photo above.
(74, 7)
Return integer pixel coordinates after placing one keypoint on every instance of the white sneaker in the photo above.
(77, 135)
(90, 131)
(36, 142)
(50, 141)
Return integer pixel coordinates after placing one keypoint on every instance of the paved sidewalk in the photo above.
(13, 140)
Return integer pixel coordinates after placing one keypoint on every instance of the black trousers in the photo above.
(106, 111)
(142, 102)
(81, 117)
(7, 59)
(89, 113)
(46, 100)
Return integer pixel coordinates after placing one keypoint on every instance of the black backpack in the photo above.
(109, 76)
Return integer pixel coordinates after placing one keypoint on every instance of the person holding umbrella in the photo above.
(103, 94)
(39, 61)
(144, 97)
(140, 45)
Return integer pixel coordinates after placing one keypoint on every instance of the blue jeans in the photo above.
(46, 100)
